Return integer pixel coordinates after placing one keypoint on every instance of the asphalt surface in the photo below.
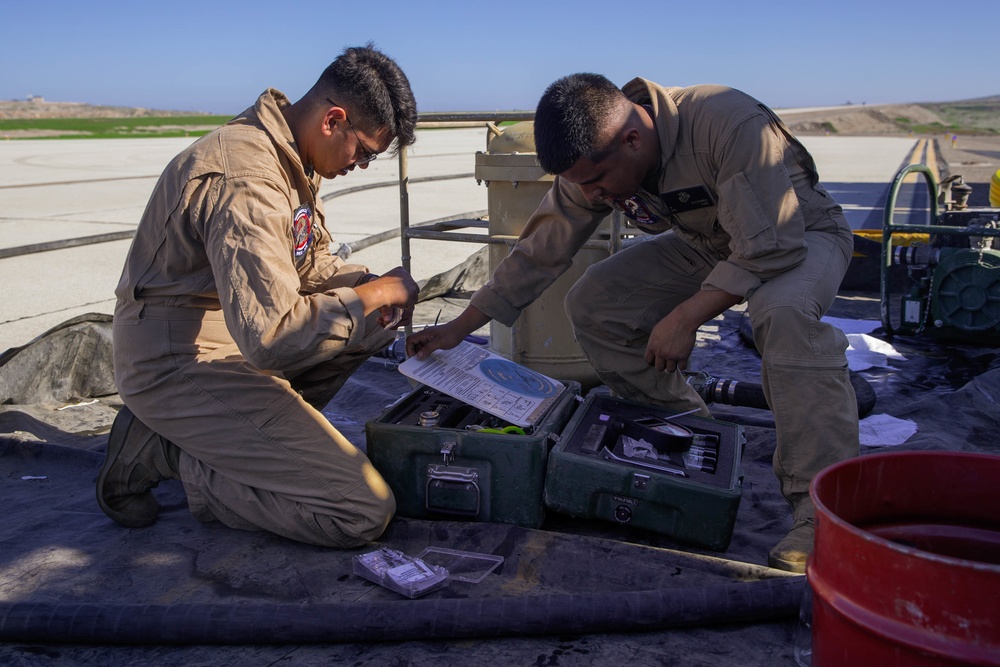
(976, 159)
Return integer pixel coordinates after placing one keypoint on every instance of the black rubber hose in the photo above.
(746, 394)
(439, 618)
(751, 395)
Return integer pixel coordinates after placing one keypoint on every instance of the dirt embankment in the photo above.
(37, 108)
(863, 120)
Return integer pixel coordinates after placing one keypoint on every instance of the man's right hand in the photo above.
(393, 290)
(446, 336)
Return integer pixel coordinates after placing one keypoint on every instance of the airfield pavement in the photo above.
(54, 190)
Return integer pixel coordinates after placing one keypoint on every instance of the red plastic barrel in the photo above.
(906, 565)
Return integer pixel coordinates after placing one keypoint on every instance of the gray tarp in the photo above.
(56, 546)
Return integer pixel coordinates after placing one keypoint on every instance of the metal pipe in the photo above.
(888, 227)
(479, 116)
(387, 184)
(404, 212)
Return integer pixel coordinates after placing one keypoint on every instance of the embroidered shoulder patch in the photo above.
(636, 210)
(302, 231)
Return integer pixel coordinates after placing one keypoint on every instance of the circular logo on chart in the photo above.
(517, 378)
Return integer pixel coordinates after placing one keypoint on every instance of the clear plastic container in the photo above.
(398, 572)
(467, 566)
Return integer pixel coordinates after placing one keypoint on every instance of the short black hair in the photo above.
(374, 90)
(570, 119)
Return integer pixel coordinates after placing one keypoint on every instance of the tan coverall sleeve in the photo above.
(758, 207)
(248, 237)
(558, 228)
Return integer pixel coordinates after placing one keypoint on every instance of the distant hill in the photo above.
(990, 99)
(979, 116)
(39, 108)
(38, 119)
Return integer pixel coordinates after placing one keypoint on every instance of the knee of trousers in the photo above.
(786, 332)
(575, 304)
(584, 302)
(359, 529)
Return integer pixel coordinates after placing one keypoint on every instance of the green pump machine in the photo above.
(952, 269)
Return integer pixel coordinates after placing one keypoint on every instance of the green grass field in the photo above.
(110, 128)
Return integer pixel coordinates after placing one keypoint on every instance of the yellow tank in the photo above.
(542, 338)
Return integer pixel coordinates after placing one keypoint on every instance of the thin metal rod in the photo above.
(888, 228)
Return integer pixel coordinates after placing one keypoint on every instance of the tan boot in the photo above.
(792, 552)
(137, 460)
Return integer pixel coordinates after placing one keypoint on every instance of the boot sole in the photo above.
(786, 565)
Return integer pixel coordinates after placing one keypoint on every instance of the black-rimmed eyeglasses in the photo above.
(369, 156)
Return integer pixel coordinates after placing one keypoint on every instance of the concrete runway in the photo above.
(65, 189)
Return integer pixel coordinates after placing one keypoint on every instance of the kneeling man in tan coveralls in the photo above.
(737, 214)
(235, 324)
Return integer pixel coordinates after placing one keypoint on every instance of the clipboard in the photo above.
(488, 381)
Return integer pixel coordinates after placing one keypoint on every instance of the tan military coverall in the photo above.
(746, 214)
(234, 323)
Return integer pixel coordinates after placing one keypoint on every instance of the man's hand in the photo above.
(672, 338)
(670, 344)
(446, 336)
(393, 294)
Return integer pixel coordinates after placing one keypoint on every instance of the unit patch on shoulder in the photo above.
(636, 210)
(302, 231)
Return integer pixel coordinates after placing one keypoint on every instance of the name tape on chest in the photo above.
(687, 199)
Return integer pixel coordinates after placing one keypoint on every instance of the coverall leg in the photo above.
(804, 367)
(254, 453)
(614, 306)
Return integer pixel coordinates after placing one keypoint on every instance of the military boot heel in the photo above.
(137, 460)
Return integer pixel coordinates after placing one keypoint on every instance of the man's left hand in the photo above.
(670, 344)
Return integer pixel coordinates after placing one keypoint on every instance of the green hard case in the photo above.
(447, 471)
(696, 504)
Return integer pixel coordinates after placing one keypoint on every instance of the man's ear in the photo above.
(630, 136)
(333, 115)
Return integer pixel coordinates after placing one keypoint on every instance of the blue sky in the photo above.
(217, 56)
